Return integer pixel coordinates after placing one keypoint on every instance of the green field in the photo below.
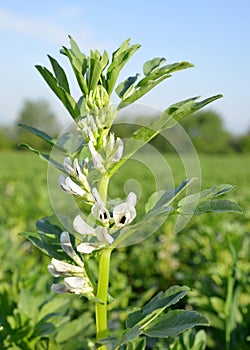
(211, 256)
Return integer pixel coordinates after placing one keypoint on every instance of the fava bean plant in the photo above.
(103, 224)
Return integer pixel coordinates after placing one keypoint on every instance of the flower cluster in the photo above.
(97, 234)
(76, 279)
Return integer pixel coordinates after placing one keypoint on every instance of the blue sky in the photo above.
(214, 35)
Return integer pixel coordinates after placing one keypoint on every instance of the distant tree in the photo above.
(241, 144)
(207, 132)
(37, 114)
(6, 138)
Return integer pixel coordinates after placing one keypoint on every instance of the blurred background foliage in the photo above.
(206, 129)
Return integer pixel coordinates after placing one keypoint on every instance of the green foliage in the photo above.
(202, 260)
(152, 322)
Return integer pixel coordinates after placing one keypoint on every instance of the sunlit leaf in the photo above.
(119, 59)
(173, 323)
(156, 305)
(60, 74)
(60, 92)
(150, 65)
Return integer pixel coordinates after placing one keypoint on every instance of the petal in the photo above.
(98, 210)
(100, 213)
(82, 227)
(78, 170)
(96, 158)
(123, 214)
(97, 196)
(103, 236)
(73, 187)
(88, 248)
(58, 268)
(119, 150)
(131, 199)
(58, 288)
(61, 183)
(66, 245)
(67, 164)
(77, 285)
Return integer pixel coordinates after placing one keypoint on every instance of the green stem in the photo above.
(103, 277)
(103, 188)
(228, 310)
(102, 294)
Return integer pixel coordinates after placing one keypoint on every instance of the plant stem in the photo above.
(103, 277)
(102, 294)
(228, 310)
(103, 188)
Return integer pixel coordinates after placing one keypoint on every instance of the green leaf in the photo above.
(156, 76)
(173, 323)
(44, 156)
(208, 193)
(113, 343)
(119, 58)
(182, 109)
(97, 64)
(47, 239)
(75, 48)
(126, 86)
(139, 92)
(52, 141)
(216, 206)
(156, 305)
(79, 65)
(60, 74)
(206, 201)
(164, 198)
(60, 92)
(164, 71)
(150, 65)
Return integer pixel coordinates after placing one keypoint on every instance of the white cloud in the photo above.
(36, 27)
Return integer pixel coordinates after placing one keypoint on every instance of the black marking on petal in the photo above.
(123, 219)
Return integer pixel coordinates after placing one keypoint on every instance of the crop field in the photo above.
(210, 255)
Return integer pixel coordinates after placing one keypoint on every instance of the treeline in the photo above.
(35, 113)
(206, 130)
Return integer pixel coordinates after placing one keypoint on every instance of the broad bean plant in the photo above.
(85, 160)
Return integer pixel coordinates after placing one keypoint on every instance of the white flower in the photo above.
(89, 129)
(96, 158)
(119, 150)
(125, 213)
(61, 268)
(88, 247)
(103, 236)
(68, 249)
(113, 150)
(67, 164)
(98, 210)
(76, 285)
(70, 186)
(66, 245)
(82, 227)
(76, 171)
(100, 232)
